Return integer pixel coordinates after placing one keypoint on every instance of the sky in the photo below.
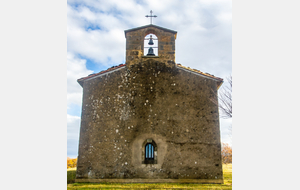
(96, 41)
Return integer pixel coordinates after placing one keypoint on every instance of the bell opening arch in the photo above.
(150, 43)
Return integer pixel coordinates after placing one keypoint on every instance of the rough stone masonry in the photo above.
(150, 100)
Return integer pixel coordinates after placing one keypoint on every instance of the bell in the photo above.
(150, 52)
(150, 41)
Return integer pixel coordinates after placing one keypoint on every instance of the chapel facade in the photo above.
(150, 120)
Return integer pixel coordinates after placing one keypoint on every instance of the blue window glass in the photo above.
(149, 151)
(147, 155)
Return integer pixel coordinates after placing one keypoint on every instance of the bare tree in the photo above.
(225, 99)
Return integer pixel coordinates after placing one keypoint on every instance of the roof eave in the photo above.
(150, 25)
(219, 80)
(220, 84)
(91, 76)
(80, 82)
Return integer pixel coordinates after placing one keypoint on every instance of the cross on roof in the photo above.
(151, 16)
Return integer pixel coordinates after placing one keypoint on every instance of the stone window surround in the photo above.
(144, 161)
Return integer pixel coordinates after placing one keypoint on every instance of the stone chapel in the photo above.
(150, 120)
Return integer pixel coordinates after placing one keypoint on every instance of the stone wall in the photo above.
(149, 100)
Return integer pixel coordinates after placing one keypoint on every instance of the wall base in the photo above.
(215, 181)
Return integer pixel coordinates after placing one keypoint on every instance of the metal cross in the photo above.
(151, 16)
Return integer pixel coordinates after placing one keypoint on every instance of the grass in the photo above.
(227, 173)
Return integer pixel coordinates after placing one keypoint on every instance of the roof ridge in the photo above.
(101, 72)
(198, 71)
(123, 65)
(150, 25)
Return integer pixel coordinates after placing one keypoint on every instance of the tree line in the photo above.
(71, 162)
(226, 153)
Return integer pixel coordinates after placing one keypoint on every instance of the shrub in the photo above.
(71, 174)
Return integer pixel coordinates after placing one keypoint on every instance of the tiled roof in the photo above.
(197, 71)
(80, 81)
(101, 72)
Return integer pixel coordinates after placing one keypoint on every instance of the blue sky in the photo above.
(96, 41)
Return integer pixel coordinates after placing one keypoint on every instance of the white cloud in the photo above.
(203, 40)
(76, 69)
(226, 135)
(73, 126)
(105, 45)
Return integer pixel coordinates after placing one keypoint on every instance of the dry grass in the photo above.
(71, 169)
(227, 172)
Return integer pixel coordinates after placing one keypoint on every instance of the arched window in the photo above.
(150, 45)
(149, 152)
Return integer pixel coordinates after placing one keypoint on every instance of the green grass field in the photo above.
(227, 172)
